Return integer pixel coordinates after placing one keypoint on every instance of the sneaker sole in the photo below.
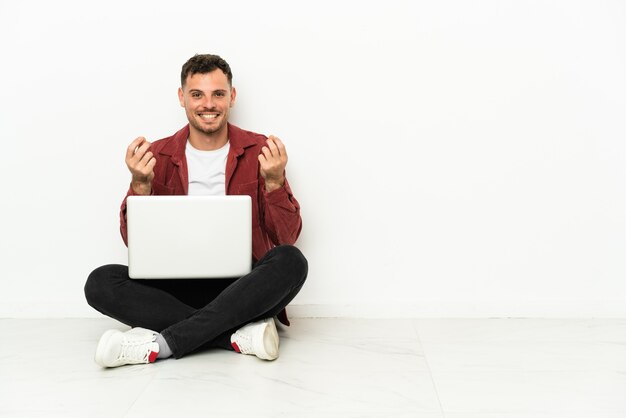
(101, 349)
(268, 341)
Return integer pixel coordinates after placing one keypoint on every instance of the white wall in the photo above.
(452, 158)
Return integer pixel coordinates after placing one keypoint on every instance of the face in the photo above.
(207, 99)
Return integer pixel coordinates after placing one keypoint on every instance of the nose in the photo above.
(208, 101)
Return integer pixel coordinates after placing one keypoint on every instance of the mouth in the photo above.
(208, 116)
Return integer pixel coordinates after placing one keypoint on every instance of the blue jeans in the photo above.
(196, 314)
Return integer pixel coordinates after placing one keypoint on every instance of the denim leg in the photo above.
(133, 302)
(223, 340)
(273, 283)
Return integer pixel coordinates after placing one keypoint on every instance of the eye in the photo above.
(196, 94)
(220, 94)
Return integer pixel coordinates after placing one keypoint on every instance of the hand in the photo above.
(273, 160)
(141, 164)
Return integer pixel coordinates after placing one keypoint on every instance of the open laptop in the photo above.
(172, 237)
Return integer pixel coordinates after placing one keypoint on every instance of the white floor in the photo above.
(492, 368)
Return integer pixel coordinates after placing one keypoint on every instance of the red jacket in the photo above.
(275, 215)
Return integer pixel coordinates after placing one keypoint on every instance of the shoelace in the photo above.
(135, 349)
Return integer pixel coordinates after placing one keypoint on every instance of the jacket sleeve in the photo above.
(123, 224)
(280, 214)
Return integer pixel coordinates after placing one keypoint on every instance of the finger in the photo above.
(272, 147)
(266, 152)
(140, 152)
(278, 142)
(151, 164)
(130, 151)
(145, 159)
(143, 148)
(281, 150)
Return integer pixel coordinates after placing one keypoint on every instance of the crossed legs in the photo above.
(196, 314)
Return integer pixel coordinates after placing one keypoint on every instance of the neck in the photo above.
(208, 142)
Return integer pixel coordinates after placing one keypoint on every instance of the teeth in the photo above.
(208, 116)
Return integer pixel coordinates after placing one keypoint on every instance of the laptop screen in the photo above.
(172, 237)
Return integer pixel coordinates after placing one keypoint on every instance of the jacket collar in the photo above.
(236, 136)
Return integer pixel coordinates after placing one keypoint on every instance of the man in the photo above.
(209, 156)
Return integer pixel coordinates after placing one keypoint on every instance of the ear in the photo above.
(233, 94)
(181, 97)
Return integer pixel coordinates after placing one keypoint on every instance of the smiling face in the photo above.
(207, 99)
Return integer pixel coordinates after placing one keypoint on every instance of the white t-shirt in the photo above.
(207, 170)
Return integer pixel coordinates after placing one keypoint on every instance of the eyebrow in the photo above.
(214, 91)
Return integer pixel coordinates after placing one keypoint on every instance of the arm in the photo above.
(280, 209)
(281, 215)
(140, 163)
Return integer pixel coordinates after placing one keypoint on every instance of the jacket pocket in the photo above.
(159, 188)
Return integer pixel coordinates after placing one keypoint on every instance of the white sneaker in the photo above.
(257, 338)
(117, 348)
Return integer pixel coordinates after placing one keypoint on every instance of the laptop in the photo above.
(189, 237)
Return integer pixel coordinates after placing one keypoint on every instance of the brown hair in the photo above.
(205, 63)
